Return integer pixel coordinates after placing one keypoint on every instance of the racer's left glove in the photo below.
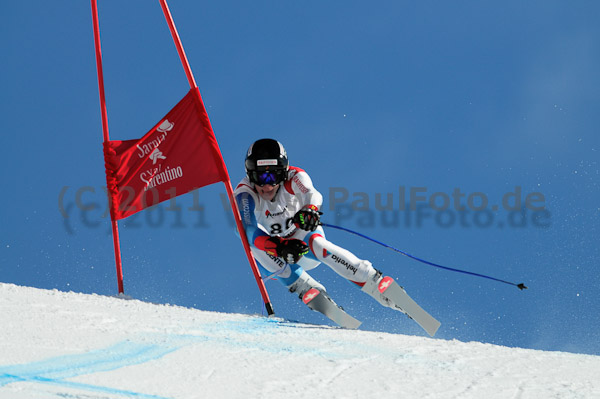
(308, 218)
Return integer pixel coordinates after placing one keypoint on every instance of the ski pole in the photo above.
(521, 286)
(277, 273)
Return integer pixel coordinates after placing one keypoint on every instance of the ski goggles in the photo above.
(269, 177)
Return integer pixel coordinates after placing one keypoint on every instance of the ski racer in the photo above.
(280, 210)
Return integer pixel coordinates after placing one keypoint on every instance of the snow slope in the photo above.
(68, 345)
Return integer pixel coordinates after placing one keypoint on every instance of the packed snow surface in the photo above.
(68, 345)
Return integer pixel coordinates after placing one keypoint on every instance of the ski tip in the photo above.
(353, 325)
(431, 331)
(521, 286)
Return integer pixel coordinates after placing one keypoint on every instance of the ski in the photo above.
(395, 293)
(321, 302)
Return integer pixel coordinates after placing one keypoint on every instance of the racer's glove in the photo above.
(308, 218)
(289, 250)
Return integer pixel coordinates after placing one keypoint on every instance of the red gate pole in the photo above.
(219, 157)
(115, 225)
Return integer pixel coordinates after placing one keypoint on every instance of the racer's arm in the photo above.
(247, 203)
(302, 187)
(307, 218)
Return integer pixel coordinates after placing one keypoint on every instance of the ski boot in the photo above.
(304, 283)
(376, 285)
(388, 293)
(314, 295)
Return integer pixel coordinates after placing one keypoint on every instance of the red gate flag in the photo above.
(179, 154)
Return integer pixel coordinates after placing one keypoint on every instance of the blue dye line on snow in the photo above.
(254, 333)
(55, 370)
(89, 387)
(257, 333)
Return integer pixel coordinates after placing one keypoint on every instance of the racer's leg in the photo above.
(346, 264)
(292, 276)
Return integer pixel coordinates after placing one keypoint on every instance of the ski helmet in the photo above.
(266, 162)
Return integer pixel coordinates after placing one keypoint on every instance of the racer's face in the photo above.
(267, 192)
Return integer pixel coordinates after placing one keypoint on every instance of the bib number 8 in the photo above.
(276, 227)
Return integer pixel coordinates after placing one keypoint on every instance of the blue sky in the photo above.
(368, 98)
